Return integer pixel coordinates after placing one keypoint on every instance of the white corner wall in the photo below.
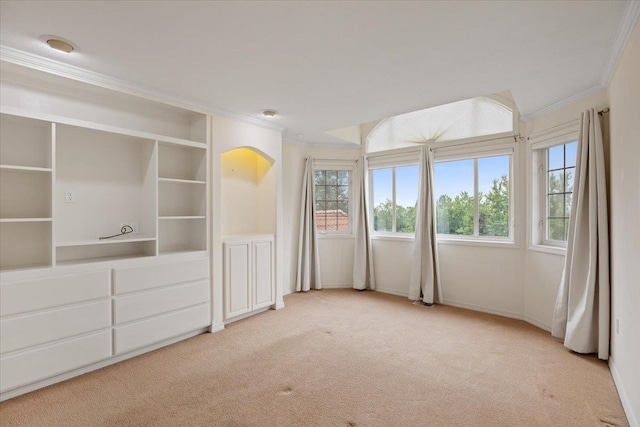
(624, 225)
(336, 254)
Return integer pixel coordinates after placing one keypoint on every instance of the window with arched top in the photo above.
(462, 120)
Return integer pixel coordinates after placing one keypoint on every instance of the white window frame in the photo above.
(337, 165)
(539, 145)
(386, 160)
(494, 149)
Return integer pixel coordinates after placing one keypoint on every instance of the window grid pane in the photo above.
(332, 201)
(559, 189)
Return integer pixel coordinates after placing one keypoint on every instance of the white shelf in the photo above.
(181, 181)
(103, 259)
(105, 241)
(182, 217)
(17, 168)
(9, 220)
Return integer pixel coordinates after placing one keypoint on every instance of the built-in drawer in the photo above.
(140, 334)
(151, 303)
(156, 275)
(29, 295)
(27, 330)
(19, 369)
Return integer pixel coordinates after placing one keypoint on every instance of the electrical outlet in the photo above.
(132, 224)
(69, 196)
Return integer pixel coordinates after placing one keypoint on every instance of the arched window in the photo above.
(460, 120)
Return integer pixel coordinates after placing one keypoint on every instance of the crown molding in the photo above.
(578, 96)
(345, 145)
(51, 66)
(630, 16)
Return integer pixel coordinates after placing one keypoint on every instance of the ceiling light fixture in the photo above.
(58, 43)
(269, 113)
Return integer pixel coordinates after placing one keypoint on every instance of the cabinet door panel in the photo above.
(42, 327)
(145, 304)
(263, 274)
(237, 280)
(30, 295)
(156, 275)
(30, 366)
(150, 331)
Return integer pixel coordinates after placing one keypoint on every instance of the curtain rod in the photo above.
(604, 111)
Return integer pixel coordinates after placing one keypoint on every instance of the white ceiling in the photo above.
(327, 65)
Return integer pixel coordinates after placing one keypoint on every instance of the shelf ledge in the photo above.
(17, 168)
(10, 220)
(105, 241)
(181, 181)
(182, 217)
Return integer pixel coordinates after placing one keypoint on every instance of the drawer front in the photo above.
(32, 329)
(28, 367)
(151, 331)
(145, 304)
(156, 275)
(30, 295)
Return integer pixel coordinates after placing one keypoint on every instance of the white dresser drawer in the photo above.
(150, 331)
(30, 366)
(29, 295)
(145, 304)
(32, 329)
(156, 275)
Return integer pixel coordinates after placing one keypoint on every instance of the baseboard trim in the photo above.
(537, 323)
(392, 292)
(98, 365)
(337, 286)
(624, 398)
(216, 328)
(482, 309)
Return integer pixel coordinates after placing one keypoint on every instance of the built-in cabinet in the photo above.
(72, 297)
(249, 275)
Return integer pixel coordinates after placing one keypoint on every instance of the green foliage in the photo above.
(455, 215)
(560, 187)
(383, 217)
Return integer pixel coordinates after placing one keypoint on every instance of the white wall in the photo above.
(624, 183)
(229, 134)
(336, 254)
(543, 270)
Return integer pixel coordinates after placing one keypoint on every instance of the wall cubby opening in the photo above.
(113, 180)
(182, 163)
(25, 142)
(182, 235)
(25, 245)
(25, 194)
(113, 250)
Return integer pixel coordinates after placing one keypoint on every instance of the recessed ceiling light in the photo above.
(269, 113)
(59, 43)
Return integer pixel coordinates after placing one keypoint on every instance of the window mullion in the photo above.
(476, 201)
(393, 201)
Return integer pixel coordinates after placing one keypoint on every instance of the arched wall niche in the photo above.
(248, 192)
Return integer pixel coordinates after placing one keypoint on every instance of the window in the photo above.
(559, 166)
(394, 198)
(332, 189)
(473, 197)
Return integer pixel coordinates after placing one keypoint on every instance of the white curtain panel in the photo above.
(581, 315)
(363, 277)
(308, 274)
(425, 274)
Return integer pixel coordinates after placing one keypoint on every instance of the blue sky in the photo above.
(450, 178)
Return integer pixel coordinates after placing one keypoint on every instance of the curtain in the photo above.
(308, 274)
(581, 314)
(363, 277)
(425, 275)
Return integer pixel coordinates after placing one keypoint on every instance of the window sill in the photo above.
(555, 250)
(506, 244)
(394, 237)
(335, 235)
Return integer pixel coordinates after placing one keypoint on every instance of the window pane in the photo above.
(556, 157)
(556, 229)
(567, 205)
(556, 206)
(332, 192)
(382, 199)
(555, 182)
(454, 197)
(332, 177)
(320, 192)
(568, 180)
(343, 177)
(319, 177)
(493, 193)
(571, 152)
(407, 181)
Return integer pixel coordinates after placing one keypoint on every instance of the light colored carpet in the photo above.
(341, 358)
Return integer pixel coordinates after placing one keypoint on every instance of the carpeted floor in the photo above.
(341, 358)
